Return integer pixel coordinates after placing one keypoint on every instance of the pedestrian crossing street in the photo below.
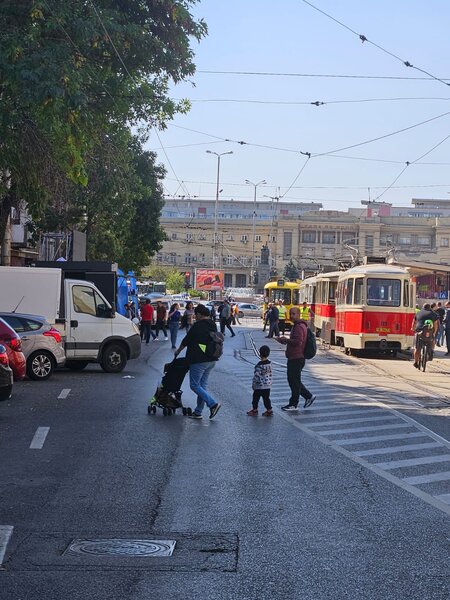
(357, 423)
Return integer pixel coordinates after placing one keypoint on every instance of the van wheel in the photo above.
(40, 365)
(114, 358)
(76, 365)
(5, 392)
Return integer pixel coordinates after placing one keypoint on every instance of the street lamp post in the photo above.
(216, 208)
(255, 185)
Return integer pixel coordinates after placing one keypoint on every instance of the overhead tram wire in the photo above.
(409, 163)
(364, 39)
(139, 89)
(316, 75)
(316, 103)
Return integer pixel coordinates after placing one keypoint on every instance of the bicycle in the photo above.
(425, 343)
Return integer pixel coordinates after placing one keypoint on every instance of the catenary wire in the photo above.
(316, 75)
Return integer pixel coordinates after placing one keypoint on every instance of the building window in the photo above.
(369, 243)
(350, 237)
(189, 237)
(404, 240)
(172, 258)
(272, 238)
(188, 258)
(424, 240)
(257, 238)
(201, 237)
(201, 258)
(228, 280)
(328, 237)
(287, 244)
(244, 238)
(229, 259)
(173, 236)
(241, 280)
(308, 237)
(230, 238)
(444, 242)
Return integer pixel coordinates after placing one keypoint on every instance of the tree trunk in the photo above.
(5, 230)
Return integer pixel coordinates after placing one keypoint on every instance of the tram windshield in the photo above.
(383, 292)
(280, 294)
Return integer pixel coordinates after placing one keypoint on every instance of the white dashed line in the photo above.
(5, 536)
(39, 438)
(64, 393)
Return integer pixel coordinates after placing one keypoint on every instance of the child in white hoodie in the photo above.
(262, 382)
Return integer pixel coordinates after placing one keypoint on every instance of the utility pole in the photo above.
(216, 207)
(255, 186)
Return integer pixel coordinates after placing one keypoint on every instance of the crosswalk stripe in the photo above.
(413, 462)
(375, 409)
(380, 438)
(444, 498)
(356, 420)
(362, 429)
(430, 478)
(395, 449)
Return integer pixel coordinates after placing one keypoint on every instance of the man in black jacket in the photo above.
(197, 341)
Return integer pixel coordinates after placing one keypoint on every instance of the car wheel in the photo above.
(240, 314)
(114, 358)
(5, 393)
(76, 365)
(40, 365)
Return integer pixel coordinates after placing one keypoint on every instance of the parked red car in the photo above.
(11, 340)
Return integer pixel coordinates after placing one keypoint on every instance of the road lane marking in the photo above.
(395, 449)
(64, 393)
(413, 462)
(5, 536)
(363, 411)
(39, 438)
(430, 478)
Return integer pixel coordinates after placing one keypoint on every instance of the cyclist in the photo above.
(426, 317)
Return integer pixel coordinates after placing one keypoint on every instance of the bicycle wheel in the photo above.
(424, 357)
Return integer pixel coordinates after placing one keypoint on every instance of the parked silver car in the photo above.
(41, 344)
(249, 310)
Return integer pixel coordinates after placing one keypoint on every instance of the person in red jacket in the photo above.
(295, 349)
(147, 319)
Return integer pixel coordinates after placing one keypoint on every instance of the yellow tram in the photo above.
(287, 291)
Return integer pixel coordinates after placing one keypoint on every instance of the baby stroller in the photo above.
(168, 393)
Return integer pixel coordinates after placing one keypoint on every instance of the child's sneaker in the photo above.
(252, 412)
(267, 413)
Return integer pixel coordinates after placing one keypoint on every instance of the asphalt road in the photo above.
(259, 508)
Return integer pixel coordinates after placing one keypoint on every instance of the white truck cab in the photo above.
(92, 331)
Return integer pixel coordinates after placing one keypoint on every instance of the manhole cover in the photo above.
(122, 547)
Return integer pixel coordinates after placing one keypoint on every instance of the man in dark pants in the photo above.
(447, 327)
(296, 361)
(146, 321)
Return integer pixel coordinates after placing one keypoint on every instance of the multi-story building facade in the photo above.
(311, 237)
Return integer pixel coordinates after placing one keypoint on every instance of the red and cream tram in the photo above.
(325, 308)
(375, 308)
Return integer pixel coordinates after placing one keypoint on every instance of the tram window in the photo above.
(296, 297)
(359, 286)
(349, 292)
(406, 294)
(280, 294)
(383, 292)
(332, 295)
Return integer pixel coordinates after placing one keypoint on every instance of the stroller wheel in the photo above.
(189, 411)
(184, 411)
(165, 413)
(149, 409)
(154, 409)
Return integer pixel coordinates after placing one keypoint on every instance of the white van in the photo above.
(92, 331)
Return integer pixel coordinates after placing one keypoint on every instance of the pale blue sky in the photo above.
(291, 37)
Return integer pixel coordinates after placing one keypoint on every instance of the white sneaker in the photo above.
(155, 339)
(166, 339)
(289, 408)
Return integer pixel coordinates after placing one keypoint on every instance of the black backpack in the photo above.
(214, 348)
(310, 345)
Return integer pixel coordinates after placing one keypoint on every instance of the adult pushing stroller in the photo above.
(168, 393)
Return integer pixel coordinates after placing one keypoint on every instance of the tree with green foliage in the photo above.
(175, 282)
(72, 73)
(291, 271)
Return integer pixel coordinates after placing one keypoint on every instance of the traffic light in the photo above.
(187, 280)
